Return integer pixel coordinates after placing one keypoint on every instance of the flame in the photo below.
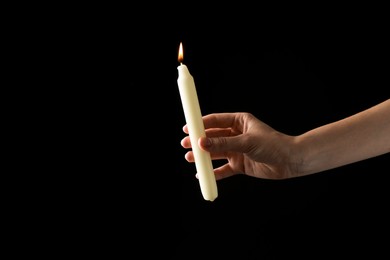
(181, 56)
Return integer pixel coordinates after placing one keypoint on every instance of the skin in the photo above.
(254, 148)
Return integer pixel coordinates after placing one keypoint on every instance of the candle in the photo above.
(193, 117)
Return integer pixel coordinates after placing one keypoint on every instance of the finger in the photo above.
(185, 129)
(189, 156)
(220, 145)
(186, 142)
(222, 172)
(215, 132)
(222, 120)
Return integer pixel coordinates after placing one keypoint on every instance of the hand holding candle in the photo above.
(193, 117)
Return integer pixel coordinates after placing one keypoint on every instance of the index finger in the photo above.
(223, 120)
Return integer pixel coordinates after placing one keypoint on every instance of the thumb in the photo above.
(221, 144)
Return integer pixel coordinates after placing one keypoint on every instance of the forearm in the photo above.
(358, 137)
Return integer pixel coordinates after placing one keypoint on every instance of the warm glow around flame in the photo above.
(180, 58)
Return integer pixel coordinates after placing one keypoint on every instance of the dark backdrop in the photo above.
(294, 76)
(293, 72)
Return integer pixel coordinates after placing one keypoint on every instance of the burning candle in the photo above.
(193, 117)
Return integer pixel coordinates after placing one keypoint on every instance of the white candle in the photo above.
(193, 117)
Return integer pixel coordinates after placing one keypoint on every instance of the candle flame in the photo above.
(181, 56)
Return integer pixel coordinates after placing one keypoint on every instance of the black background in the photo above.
(295, 75)
(293, 70)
